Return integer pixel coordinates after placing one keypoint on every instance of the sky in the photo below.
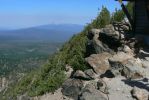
(28, 13)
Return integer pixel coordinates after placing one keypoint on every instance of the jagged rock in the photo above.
(120, 57)
(91, 93)
(105, 39)
(90, 73)
(110, 31)
(139, 94)
(97, 44)
(81, 75)
(133, 69)
(117, 61)
(72, 88)
(95, 32)
(99, 62)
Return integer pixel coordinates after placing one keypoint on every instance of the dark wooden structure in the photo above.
(140, 18)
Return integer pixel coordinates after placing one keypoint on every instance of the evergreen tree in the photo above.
(103, 18)
(119, 15)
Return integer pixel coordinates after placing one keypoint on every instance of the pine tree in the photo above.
(119, 15)
(103, 18)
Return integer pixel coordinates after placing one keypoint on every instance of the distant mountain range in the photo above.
(51, 32)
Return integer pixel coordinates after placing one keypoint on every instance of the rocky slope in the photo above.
(118, 70)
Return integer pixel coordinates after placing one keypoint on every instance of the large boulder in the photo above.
(91, 93)
(120, 57)
(110, 31)
(99, 62)
(96, 43)
(117, 62)
(133, 69)
(127, 65)
(72, 88)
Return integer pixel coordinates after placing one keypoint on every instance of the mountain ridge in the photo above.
(52, 32)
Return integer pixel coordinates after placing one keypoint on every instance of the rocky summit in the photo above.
(117, 71)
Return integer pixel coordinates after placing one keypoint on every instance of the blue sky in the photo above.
(27, 13)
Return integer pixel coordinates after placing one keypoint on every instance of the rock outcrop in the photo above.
(117, 57)
(119, 70)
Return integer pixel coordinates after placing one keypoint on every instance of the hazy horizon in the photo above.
(37, 26)
(15, 14)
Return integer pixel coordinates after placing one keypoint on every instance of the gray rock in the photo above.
(99, 62)
(139, 94)
(91, 93)
(102, 86)
(110, 31)
(145, 63)
(98, 45)
(81, 75)
(95, 32)
(90, 73)
(72, 88)
(116, 68)
(117, 62)
(120, 57)
(133, 70)
(126, 49)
